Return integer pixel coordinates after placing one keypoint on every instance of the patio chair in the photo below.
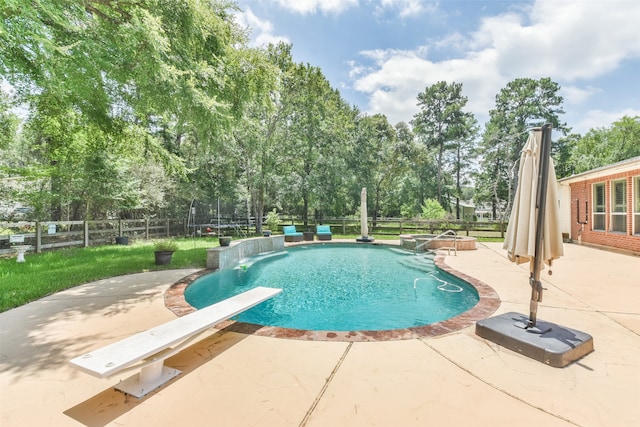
(323, 232)
(291, 235)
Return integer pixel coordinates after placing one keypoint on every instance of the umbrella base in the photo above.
(551, 344)
(534, 329)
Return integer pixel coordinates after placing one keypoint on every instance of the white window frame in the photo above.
(635, 187)
(595, 213)
(618, 211)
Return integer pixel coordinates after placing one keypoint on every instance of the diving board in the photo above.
(150, 348)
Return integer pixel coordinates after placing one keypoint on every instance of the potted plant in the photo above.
(163, 250)
(224, 240)
(272, 221)
(122, 240)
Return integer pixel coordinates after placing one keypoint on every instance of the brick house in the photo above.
(602, 206)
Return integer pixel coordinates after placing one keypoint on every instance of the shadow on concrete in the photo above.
(110, 404)
(29, 334)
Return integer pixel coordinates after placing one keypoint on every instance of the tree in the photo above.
(317, 125)
(8, 121)
(604, 146)
(379, 161)
(561, 152)
(179, 71)
(8, 145)
(441, 121)
(126, 60)
(464, 148)
(523, 104)
(78, 170)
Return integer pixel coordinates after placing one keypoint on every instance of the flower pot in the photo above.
(163, 257)
(224, 240)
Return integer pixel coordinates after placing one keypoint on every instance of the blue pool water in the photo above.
(340, 287)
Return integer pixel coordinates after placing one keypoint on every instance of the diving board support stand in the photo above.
(149, 349)
(148, 379)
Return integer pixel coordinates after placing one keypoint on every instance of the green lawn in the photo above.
(52, 271)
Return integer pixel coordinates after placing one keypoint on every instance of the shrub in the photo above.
(273, 219)
(167, 245)
(433, 210)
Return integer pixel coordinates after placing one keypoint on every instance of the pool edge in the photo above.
(488, 303)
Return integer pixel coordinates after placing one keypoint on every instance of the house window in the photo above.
(636, 205)
(619, 206)
(598, 207)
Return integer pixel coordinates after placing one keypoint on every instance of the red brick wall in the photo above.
(583, 191)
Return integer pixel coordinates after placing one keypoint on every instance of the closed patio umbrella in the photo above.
(533, 234)
(364, 227)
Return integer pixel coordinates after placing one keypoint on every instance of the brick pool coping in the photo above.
(487, 305)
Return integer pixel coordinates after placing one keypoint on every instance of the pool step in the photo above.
(449, 249)
(419, 263)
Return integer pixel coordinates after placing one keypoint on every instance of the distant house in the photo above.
(602, 206)
(467, 209)
(485, 213)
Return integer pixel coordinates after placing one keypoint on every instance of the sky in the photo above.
(380, 54)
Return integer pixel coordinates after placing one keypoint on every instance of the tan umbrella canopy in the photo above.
(364, 228)
(533, 233)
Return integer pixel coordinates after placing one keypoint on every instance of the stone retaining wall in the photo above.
(227, 256)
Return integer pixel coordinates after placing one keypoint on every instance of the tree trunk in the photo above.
(305, 209)
(56, 190)
(439, 177)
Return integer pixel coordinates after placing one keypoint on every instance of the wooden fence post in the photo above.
(146, 228)
(86, 233)
(38, 238)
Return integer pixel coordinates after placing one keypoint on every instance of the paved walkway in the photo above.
(232, 379)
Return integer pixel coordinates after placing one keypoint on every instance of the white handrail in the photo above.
(445, 233)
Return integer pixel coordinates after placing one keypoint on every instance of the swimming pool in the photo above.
(340, 287)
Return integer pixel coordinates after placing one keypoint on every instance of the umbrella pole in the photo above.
(541, 199)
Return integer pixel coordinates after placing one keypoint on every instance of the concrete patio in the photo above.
(233, 379)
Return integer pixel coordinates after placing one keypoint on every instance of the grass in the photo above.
(52, 271)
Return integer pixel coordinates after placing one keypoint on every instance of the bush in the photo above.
(407, 211)
(432, 210)
(273, 219)
(167, 245)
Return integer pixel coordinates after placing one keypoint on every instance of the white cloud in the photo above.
(405, 8)
(570, 41)
(262, 30)
(598, 119)
(400, 76)
(305, 7)
(575, 39)
(577, 95)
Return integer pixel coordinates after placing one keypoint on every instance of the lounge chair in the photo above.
(291, 235)
(323, 232)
